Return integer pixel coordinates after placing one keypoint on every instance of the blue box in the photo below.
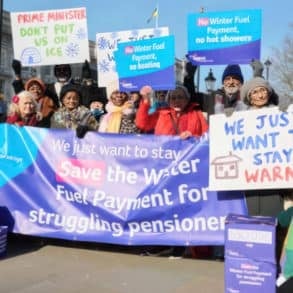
(250, 254)
(3, 239)
(251, 237)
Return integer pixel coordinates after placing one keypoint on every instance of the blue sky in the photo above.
(116, 15)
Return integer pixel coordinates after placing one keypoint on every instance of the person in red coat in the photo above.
(181, 117)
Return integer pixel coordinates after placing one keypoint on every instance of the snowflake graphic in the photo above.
(104, 66)
(81, 34)
(72, 50)
(102, 43)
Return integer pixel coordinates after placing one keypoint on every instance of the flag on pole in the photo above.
(154, 14)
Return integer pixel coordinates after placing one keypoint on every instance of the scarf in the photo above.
(112, 120)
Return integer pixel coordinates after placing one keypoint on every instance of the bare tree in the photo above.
(282, 68)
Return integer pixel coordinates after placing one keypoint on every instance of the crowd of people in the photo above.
(84, 107)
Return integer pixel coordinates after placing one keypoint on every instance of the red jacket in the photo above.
(161, 121)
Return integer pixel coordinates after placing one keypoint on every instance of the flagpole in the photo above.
(157, 18)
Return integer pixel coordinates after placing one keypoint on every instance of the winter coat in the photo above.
(166, 122)
(63, 118)
(32, 120)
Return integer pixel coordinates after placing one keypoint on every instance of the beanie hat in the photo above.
(233, 70)
(33, 80)
(69, 88)
(250, 85)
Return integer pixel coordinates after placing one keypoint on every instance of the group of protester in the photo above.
(84, 107)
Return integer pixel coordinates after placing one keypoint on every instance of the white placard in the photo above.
(251, 150)
(50, 37)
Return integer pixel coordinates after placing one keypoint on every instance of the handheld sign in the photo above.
(50, 37)
(251, 150)
(146, 62)
(107, 44)
(224, 37)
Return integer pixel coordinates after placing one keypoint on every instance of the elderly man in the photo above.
(227, 99)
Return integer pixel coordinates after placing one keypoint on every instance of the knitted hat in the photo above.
(233, 70)
(31, 81)
(250, 85)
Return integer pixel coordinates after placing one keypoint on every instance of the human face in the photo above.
(161, 96)
(36, 90)
(178, 100)
(231, 85)
(118, 99)
(259, 97)
(96, 105)
(71, 100)
(27, 106)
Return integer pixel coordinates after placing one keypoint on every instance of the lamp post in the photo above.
(210, 81)
(267, 64)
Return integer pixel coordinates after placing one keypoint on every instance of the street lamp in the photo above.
(210, 81)
(267, 64)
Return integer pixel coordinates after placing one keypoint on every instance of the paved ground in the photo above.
(31, 266)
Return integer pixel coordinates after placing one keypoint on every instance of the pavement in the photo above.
(35, 265)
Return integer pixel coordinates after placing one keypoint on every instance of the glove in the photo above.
(81, 131)
(16, 66)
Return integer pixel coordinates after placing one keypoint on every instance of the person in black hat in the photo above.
(62, 74)
(72, 114)
(90, 91)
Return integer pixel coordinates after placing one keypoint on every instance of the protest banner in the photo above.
(150, 60)
(251, 150)
(111, 188)
(226, 37)
(106, 44)
(50, 37)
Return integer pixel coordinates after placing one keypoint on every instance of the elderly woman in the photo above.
(257, 93)
(45, 104)
(180, 117)
(23, 110)
(120, 115)
(72, 115)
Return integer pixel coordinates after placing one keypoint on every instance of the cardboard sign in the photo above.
(50, 37)
(251, 150)
(107, 44)
(224, 37)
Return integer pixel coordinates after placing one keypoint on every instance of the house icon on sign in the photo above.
(226, 167)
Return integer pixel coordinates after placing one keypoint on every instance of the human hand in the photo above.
(81, 131)
(185, 134)
(16, 66)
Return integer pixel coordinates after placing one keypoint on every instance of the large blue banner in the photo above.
(111, 188)
(224, 37)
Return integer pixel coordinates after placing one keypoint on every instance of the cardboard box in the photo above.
(3, 239)
(251, 237)
(250, 254)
